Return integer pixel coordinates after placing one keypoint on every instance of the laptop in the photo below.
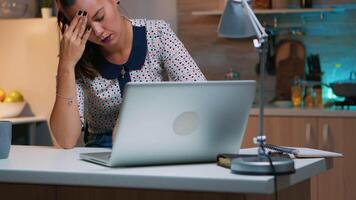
(178, 123)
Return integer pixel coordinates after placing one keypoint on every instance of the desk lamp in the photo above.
(239, 21)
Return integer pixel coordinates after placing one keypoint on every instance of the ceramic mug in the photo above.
(5, 139)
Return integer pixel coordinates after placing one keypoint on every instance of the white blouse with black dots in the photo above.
(99, 100)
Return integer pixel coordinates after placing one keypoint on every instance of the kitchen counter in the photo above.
(304, 112)
(49, 166)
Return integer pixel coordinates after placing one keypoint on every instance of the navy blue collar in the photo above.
(136, 59)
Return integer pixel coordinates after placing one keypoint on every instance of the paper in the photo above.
(302, 152)
(312, 153)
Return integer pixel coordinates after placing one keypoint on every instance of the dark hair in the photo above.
(85, 66)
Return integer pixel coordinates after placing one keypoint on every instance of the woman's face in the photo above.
(103, 17)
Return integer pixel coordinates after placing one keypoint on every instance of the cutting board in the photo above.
(290, 63)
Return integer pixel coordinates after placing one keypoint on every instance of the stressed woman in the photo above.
(100, 51)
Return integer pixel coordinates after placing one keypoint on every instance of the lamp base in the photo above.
(260, 165)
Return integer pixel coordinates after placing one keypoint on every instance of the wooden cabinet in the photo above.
(334, 134)
(338, 134)
(286, 131)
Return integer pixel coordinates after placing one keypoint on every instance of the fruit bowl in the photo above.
(8, 110)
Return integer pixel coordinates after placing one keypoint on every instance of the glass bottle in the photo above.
(309, 99)
(296, 92)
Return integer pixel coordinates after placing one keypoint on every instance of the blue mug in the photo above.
(5, 138)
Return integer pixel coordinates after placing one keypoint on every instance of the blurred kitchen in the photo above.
(326, 30)
(310, 83)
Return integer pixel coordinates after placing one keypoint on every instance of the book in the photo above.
(225, 159)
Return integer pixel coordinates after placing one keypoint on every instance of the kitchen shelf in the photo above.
(25, 120)
(35, 126)
(269, 11)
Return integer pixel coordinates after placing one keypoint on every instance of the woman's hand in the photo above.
(74, 39)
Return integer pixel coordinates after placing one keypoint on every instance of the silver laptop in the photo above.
(178, 122)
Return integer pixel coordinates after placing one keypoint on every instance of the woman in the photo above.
(99, 53)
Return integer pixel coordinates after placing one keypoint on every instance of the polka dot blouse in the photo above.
(155, 48)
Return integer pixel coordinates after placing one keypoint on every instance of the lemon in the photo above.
(2, 95)
(16, 96)
(9, 99)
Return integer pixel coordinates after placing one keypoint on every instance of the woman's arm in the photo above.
(65, 119)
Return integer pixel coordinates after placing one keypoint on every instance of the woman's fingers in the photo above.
(82, 26)
(74, 22)
(77, 28)
(86, 35)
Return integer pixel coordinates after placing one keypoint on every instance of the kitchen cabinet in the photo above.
(327, 133)
(338, 134)
(286, 131)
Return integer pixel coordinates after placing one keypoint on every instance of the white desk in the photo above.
(48, 166)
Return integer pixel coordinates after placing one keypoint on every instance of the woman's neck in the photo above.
(120, 52)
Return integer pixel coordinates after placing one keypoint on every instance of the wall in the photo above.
(215, 56)
(28, 55)
(331, 37)
(152, 9)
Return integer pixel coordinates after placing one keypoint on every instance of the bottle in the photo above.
(296, 92)
(318, 97)
(309, 99)
(232, 75)
(306, 3)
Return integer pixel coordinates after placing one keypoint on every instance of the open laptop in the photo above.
(178, 122)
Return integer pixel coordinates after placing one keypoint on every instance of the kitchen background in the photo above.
(329, 34)
(29, 46)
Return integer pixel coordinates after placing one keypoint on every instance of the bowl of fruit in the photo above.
(11, 104)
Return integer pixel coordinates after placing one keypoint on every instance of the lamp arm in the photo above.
(259, 29)
(262, 46)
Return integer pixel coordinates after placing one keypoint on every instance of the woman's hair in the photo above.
(85, 66)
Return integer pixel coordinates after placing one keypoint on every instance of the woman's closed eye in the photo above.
(99, 15)
(100, 18)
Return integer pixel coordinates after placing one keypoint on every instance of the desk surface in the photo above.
(46, 165)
